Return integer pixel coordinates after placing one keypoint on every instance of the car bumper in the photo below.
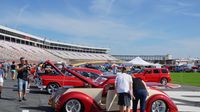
(42, 87)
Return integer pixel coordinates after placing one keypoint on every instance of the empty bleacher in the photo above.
(13, 51)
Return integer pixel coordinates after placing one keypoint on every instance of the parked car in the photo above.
(198, 70)
(160, 75)
(92, 99)
(52, 77)
(187, 69)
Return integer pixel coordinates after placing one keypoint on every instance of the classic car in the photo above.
(93, 99)
(53, 77)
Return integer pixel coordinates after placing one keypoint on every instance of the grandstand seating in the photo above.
(81, 55)
(12, 51)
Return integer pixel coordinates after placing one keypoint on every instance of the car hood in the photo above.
(82, 78)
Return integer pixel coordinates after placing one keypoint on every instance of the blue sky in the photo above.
(138, 27)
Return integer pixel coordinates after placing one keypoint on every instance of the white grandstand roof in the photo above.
(42, 39)
(75, 45)
(22, 33)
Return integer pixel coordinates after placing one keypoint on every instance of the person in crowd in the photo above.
(29, 73)
(114, 68)
(39, 69)
(23, 70)
(6, 69)
(1, 78)
(140, 92)
(13, 70)
(123, 86)
(62, 68)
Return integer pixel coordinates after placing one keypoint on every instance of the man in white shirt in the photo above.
(123, 86)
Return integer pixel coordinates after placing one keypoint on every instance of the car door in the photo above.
(51, 75)
(148, 75)
(156, 75)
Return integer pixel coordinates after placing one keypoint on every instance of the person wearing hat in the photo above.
(123, 87)
(23, 71)
(2, 75)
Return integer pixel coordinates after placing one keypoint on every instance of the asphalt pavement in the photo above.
(37, 101)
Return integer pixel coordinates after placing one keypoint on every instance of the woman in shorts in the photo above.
(13, 70)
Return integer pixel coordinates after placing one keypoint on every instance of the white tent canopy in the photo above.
(139, 61)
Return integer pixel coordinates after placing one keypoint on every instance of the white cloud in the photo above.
(20, 14)
(179, 7)
(102, 6)
(88, 27)
(114, 7)
(194, 14)
(181, 47)
(189, 43)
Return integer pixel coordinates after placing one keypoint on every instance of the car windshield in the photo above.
(100, 80)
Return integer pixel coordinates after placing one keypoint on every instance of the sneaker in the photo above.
(24, 99)
(20, 100)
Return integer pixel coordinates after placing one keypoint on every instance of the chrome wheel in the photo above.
(52, 87)
(163, 81)
(73, 105)
(158, 106)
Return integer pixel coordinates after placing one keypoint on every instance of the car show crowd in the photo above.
(127, 87)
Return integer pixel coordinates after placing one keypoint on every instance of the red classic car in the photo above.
(52, 77)
(92, 99)
(160, 75)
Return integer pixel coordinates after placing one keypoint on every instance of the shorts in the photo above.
(22, 85)
(124, 99)
(1, 83)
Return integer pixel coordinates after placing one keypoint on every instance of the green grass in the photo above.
(192, 79)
